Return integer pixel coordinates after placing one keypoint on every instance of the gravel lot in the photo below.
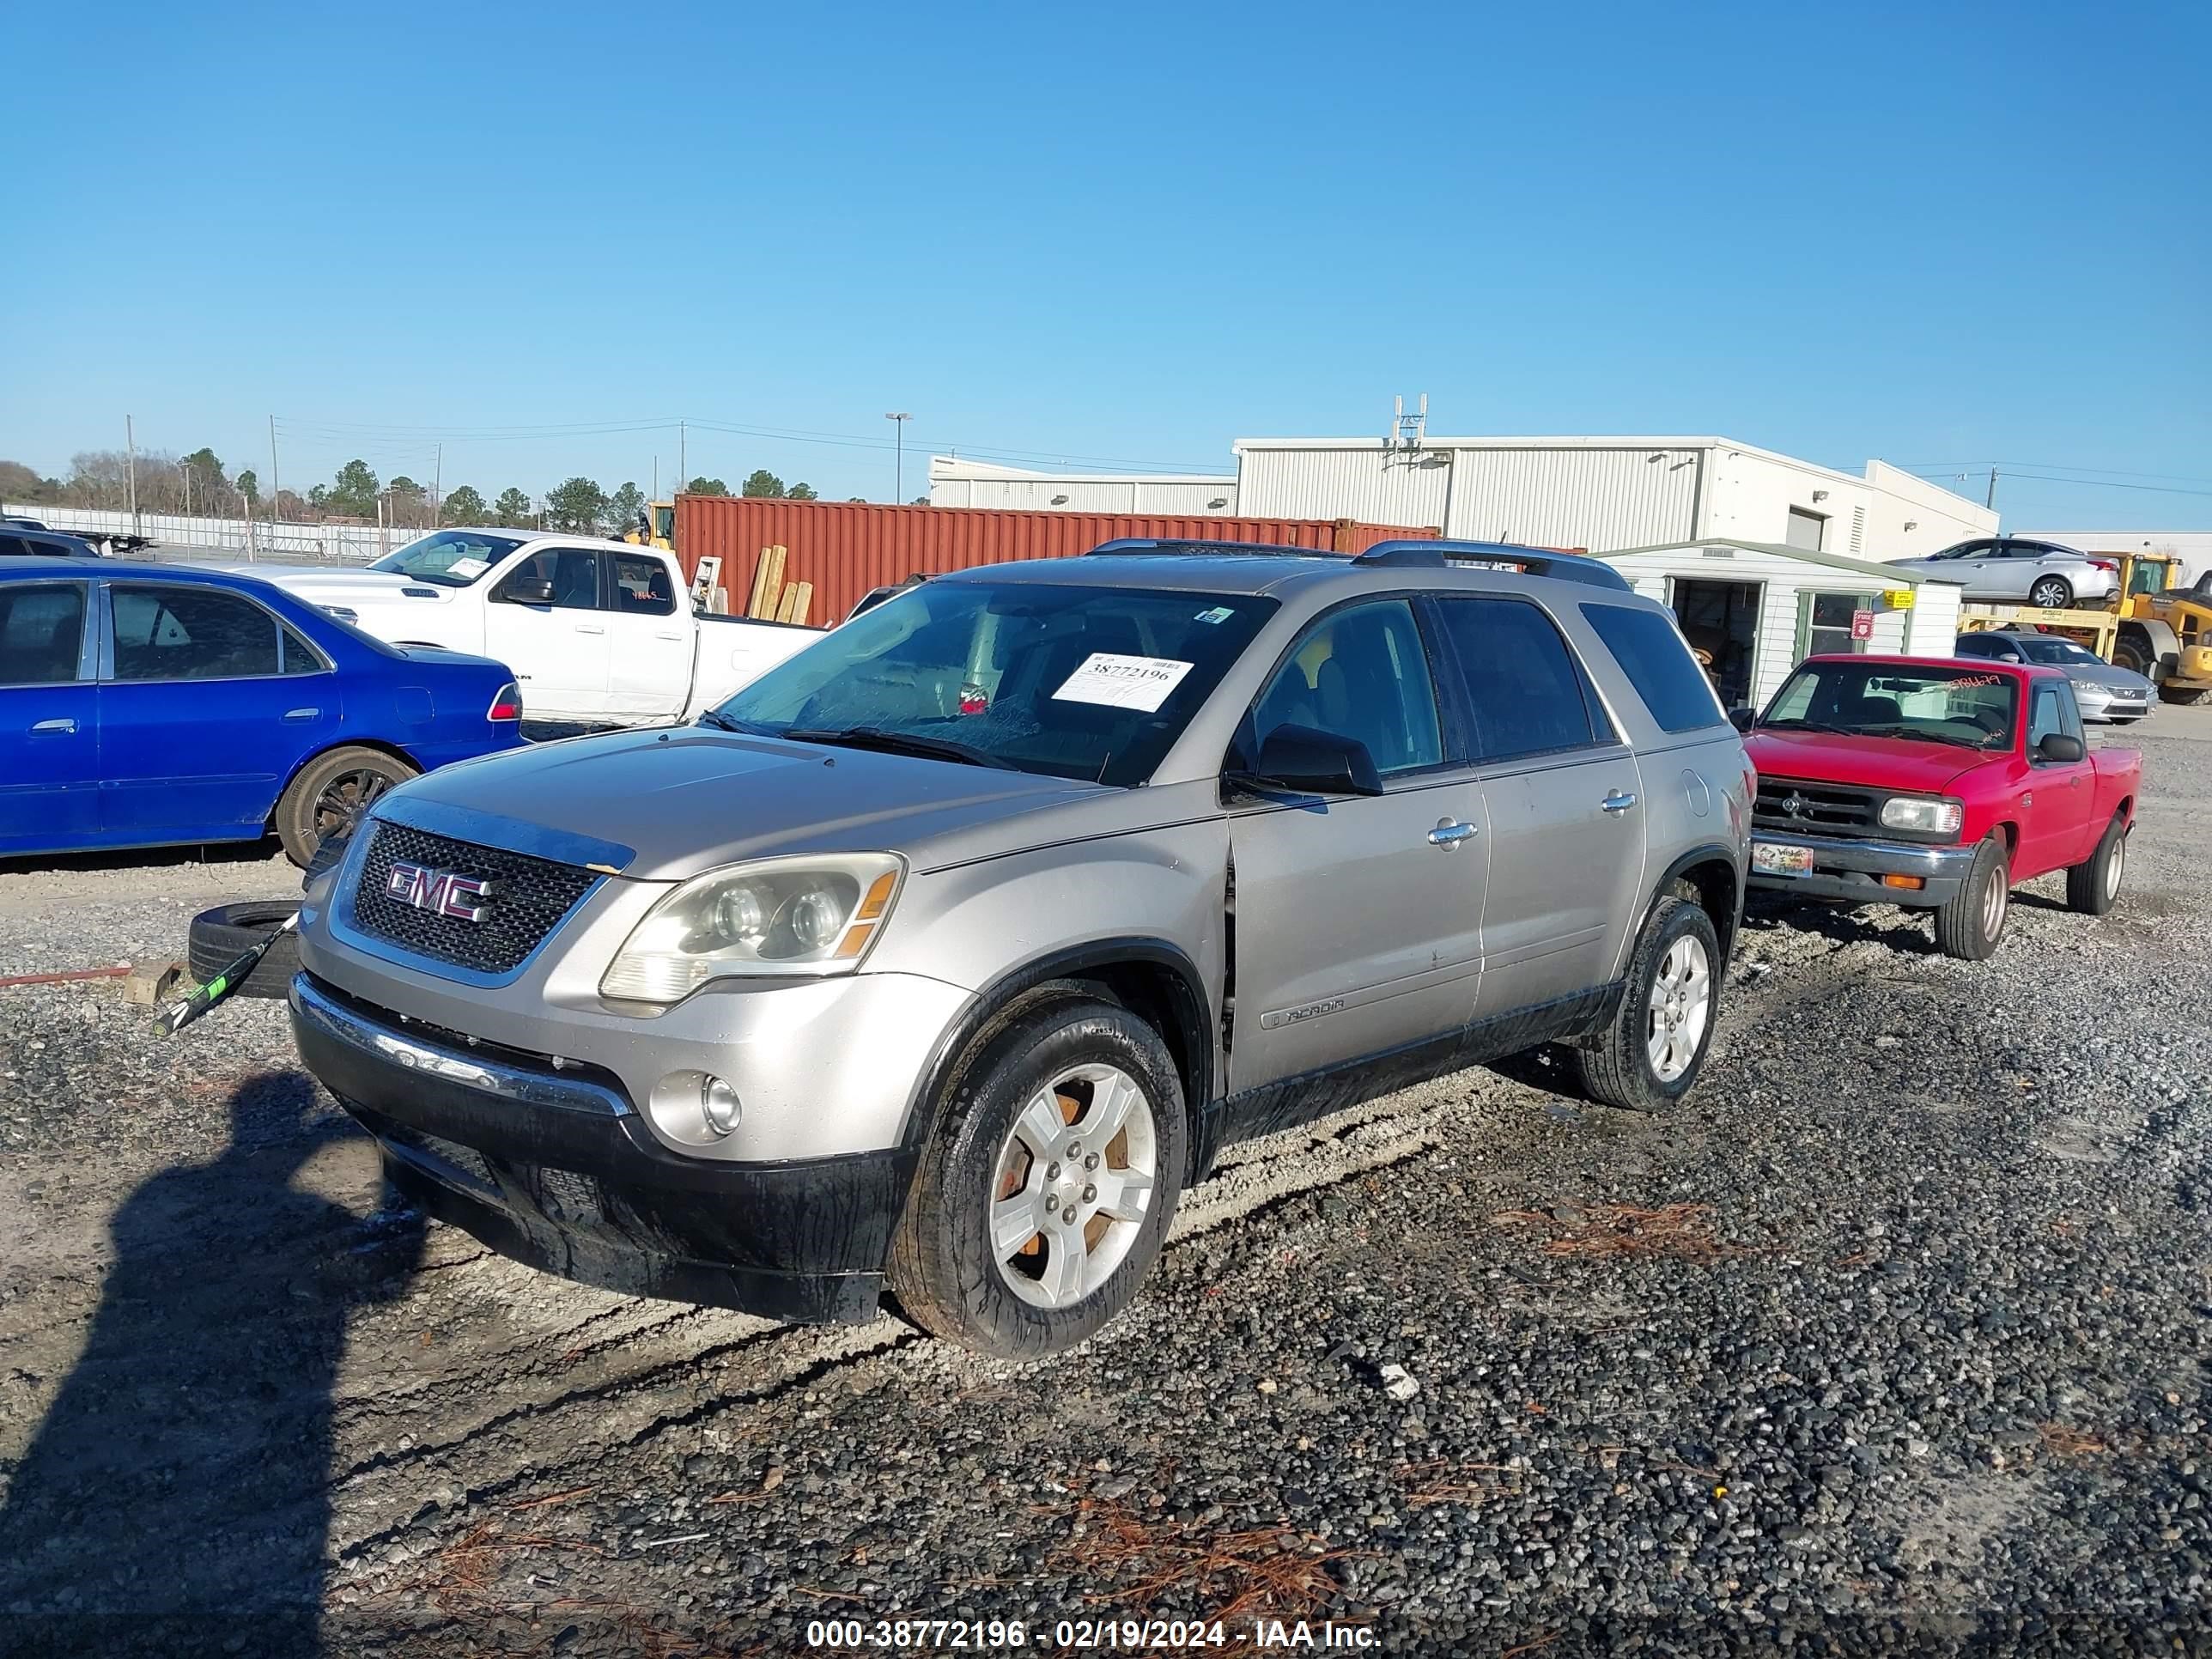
(1894, 1341)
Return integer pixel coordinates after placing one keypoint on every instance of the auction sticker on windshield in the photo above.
(467, 568)
(1139, 683)
(1775, 858)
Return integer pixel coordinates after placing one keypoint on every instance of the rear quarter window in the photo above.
(1653, 654)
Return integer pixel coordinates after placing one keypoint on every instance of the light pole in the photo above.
(898, 463)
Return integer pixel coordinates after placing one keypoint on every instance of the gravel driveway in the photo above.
(1895, 1340)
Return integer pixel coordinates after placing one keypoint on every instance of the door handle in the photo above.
(589, 628)
(54, 728)
(668, 637)
(301, 716)
(1450, 832)
(1618, 802)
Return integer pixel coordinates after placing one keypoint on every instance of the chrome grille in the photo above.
(529, 898)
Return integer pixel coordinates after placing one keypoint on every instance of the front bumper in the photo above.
(2102, 703)
(557, 1168)
(1850, 871)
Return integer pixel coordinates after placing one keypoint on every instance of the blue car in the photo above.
(155, 705)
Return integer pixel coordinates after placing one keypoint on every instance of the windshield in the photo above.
(451, 558)
(1072, 681)
(1967, 707)
(2060, 654)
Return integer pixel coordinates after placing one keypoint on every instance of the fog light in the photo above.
(719, 1105)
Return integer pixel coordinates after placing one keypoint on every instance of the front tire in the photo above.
(1650, 1056)
(2050, 593)
(2092, 887)
(331, 793)
(1046, 1188)
(1970, 925)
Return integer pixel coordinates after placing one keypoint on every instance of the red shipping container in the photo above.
(846, 548)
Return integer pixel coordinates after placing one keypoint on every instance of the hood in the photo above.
(690, 799)
(1902, 763)
(323, 584)
(2104, 674)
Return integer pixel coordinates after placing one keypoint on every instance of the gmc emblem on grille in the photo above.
(441, 892)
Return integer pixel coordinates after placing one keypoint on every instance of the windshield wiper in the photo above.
(1807, 725)
(900, 743)
(721, 722)
(1912, 735)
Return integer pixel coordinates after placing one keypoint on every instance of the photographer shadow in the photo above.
(176, 1497)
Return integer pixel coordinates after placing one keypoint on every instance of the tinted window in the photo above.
(300, 657)
(41, 628)
(1361, 673)
(1527, 693)
(1652, 653)
(2044, 719)
(190, 634)
(643, 584)
(574, 572)
(14, 547)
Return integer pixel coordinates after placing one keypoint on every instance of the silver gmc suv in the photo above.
(940, 959)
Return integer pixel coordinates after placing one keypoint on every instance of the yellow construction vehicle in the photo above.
(2162, 632)
(655, 527)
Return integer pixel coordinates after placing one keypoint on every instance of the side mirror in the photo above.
(522, 592)
(1316, 763)
(1743, 718)
(2058, 746)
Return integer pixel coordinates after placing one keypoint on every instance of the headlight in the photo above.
(797, 915)
(1922, 813)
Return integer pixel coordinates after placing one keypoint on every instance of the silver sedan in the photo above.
(2033, 573)
(2104, 691)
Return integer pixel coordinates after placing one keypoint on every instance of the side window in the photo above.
(300, 657)
(1653, 653)
(1528, 694)
(164, 632)
(2069, 715)
(14, 547)
(41, 631)
(573, 573)
(642, 586)
(1360, 673)
(1972, 644)
(2044, 717)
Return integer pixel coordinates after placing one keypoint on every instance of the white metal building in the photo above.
(1757, 609)
(955, 482)
(1605, 493)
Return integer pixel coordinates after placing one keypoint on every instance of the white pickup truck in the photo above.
(595, 631)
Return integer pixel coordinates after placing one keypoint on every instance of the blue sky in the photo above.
(1950, 236)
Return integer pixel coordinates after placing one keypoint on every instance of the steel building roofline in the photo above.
(1889, 574)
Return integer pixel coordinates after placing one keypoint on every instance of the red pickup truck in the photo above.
(1935, 785)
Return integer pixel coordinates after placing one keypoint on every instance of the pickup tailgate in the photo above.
(735, 650)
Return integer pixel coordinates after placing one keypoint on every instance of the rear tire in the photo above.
(219, 937)
(2092, 887)
(2050, 593)
(1971, 925)
(1060, 1066)
(331, 793)
(1650, 1054)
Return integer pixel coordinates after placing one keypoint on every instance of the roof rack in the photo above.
(1186, 546)
(1494, 555)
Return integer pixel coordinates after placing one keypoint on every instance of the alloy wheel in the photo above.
(1681, 1006)
(1074, 1182)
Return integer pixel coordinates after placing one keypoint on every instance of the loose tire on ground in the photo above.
(1971, 925)
(219, 937)
(330, 794)
(954, 1260)
(1675, 971)
(2092, 887)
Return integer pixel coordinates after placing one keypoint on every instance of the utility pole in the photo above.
(130, 467)
(656, 477)
(276, 495)
(898, 452)
(1991, 500)
(437, 483)
(681, 463)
